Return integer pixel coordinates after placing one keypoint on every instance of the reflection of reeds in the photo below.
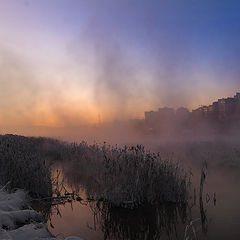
(202, 210)
(190, 231)
(148, 222)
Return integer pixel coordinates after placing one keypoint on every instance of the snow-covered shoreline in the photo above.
(19, 222)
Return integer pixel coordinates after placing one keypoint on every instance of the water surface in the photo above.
(218, 219)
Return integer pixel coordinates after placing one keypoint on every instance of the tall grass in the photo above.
(127, 177)
(24, 166)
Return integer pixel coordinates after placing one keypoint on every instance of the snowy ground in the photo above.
(19, 222)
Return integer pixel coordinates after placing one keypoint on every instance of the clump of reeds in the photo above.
(23, 166)
(135, 177)
(127, 177)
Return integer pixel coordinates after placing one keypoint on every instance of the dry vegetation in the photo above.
(128, 176)
(24, 166)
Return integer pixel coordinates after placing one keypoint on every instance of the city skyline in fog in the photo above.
(70, 63)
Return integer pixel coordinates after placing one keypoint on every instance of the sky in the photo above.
(66, 63)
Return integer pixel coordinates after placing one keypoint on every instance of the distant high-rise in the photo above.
(237, 96)
(221, 114)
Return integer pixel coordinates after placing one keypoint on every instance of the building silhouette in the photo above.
(221, 116)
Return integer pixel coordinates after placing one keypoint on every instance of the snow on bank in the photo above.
(18, 222)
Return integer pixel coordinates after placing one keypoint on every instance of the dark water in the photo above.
(207, 219)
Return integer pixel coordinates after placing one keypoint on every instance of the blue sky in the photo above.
(105, 57)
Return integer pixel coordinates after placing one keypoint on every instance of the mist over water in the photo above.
(217, 220)
(107, 78)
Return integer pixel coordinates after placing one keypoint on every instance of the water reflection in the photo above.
(99, 220)
(149, 222)
(80, 215)
(211, 213)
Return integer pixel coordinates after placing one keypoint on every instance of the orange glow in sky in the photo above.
(77, 64)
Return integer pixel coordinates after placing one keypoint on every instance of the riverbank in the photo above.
(19, 222)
